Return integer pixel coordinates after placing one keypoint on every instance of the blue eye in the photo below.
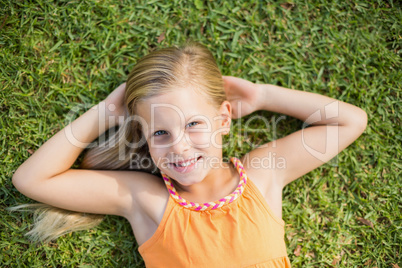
(192, 123)
(159, 131)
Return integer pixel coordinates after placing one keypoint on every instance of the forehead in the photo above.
(180, 104)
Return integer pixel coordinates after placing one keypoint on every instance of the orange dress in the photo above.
(239, 230)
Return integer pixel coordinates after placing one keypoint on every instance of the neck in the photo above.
(220, 182)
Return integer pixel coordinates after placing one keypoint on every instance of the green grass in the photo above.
(56, 55)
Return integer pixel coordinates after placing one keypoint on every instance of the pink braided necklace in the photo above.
(210, 205)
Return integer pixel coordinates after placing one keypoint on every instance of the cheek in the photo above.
(159, 158)
(156, 152)
(200, 138)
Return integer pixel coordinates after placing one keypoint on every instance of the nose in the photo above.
(181, 144)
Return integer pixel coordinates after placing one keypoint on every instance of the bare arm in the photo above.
(333, 125)
(59, 153)
(46, 175)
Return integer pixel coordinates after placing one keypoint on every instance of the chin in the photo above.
(187, 182)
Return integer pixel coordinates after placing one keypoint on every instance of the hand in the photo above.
(115, 102)
(243, 95)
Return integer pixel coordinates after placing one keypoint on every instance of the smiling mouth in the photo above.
(186, 163)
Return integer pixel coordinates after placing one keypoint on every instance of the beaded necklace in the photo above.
(210, 205)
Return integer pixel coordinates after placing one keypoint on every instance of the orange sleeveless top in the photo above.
(239, 230)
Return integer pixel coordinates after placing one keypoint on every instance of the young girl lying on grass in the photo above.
(187, 207)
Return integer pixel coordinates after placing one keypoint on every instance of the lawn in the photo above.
(59, 55)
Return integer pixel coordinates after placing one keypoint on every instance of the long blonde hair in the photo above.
(161, 71)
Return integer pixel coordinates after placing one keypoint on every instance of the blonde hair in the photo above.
(190, 66)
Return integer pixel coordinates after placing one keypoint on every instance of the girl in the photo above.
(190, 208)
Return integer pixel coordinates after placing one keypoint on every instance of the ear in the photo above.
(225, 111)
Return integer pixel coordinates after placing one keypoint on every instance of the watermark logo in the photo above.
(331, 141)
(268, 161)
(205, 135)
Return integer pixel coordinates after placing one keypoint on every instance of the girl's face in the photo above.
(184, 134)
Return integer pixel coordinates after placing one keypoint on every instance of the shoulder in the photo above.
(139, 182)
(146, 187)
(149, 195)
(259, 169)
(266, 181)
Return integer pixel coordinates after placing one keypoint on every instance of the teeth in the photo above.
(186, 163)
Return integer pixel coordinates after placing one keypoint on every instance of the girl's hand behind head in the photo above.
(243, 95)
(115, 102)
